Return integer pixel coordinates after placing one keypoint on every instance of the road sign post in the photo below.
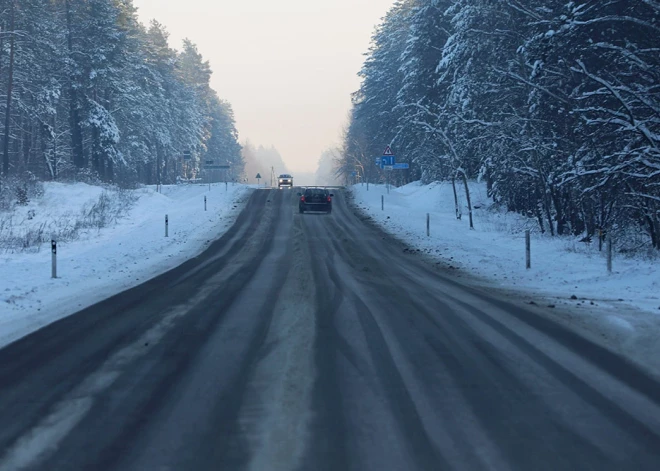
(53, 247)
(528, 249)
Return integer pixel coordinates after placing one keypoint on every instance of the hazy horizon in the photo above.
(288, 69)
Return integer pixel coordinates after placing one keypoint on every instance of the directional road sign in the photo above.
(387, 160)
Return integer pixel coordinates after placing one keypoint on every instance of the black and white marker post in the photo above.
(167, 226)
(609, 252)
(53, 246)
(528, 250)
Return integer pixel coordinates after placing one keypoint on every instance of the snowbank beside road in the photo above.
(565, 272)
(495, 249)
(103, 262)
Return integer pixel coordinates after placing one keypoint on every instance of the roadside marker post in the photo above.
(205, 203)
(428, 225)
(382, 202)
(528, 249)
(167, 226)
(609, 253)
(53, 246)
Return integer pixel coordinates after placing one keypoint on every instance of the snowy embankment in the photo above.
(565, 272)
(98, 263)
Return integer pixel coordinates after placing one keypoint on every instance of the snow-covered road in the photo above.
(313, 341)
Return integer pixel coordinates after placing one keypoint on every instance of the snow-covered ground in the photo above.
(101, 263)
(624, 305)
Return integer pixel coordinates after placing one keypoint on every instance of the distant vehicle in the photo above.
(285, 181)
(315, 199)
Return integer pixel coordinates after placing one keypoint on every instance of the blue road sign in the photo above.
(401, 166)
(387, 160)
(353, 174)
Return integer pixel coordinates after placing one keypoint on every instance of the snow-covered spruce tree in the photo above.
(223, 145)
(94, 92)
(554, 103)
(421, 99)
(594, 71)
(374, 122)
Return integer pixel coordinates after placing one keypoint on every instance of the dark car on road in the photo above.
(315, 199)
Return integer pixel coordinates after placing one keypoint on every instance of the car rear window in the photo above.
(315, 192)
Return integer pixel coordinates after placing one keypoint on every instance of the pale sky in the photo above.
(288, 67)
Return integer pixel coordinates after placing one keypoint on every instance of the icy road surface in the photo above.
(312, 342)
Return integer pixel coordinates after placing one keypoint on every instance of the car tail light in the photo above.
(329, 199)
(302, 198)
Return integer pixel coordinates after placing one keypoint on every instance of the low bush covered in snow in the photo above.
(18, 191)
(37, 213)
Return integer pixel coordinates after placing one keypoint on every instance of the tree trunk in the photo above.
(654, 228)
(548, 215)
(96, 152)
(467, 196)
(559, 210)
(158, 165)
(453, 185)
(539, 218)
(74, 110)
(46, 150)
(26, 141)
(110, 171)
(10, 86)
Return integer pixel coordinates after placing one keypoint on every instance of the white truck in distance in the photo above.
(285, 181)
